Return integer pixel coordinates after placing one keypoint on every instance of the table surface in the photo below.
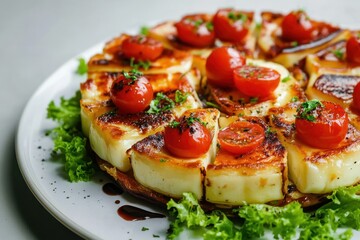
(37, 36)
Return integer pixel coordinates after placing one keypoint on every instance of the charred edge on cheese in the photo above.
(142, 121)
(339, 86)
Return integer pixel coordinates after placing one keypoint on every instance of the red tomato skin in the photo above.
(253, 137)
(220, 65)
(227, 29)
(296, 26)
(142, 48)
(131, 98)
(356, 97)
(196, 36)
(353, 50)
(326, 132)
(191, 142)
(261, 84)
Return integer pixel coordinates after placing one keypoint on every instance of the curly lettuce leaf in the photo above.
(69, 142)
(254, 220)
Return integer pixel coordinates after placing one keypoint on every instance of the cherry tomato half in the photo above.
(241, 137)
(131, 93)
(196, 30)
(356, 97)
(296, 26)
(231, 25)
(142, 48)
(327, 130)
(187, 140)
(256, 81)
(220, 65)
(353, 50)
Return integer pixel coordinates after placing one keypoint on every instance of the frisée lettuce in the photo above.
(254, 220)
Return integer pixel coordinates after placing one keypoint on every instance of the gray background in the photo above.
(36, 37)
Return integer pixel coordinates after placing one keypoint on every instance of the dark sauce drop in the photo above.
(117, 201)
(131, 213)
(112, 189)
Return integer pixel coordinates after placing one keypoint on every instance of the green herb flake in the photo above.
(82, 67)
(254, 100)
(294, 99)
(339, 54)
(155, 236)
(294, 44)
(212, 105)
(162, 160)
(144, 229)
(307, 110)
(70, 144)
(181, 97)
(210, 26)
(174, 124)
(144, 30)
(286, 79)
(139, 64)
(160, 104)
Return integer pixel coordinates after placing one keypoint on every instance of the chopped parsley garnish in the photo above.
(82, 67)
(294, 44)
(294, 99)
(70, 144)
(144, 229)
(268, 131)
(156, 236)
(180, 96)
(139, 64)
(162, 160)
(161, 103)
(254, 100)
(210, 26)
(237, 16)
(174, 124)
(286, 79)
(144, 30)
(133, 75)
(339, 54)
(307, 110)
(211, 104)
(187, 121)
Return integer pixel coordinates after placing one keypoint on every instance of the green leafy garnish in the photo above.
(144, 229)
(339, 54)
(294, 44)
(254, 100)
(161, 103)
(144, 30)
(133, 75)
(286, 79)
(82, 67)
(139, 64)
(213, 105)
(283, 222)
(307, 110)
(180, 96)
(174, 124)
(294, 99)
(237, 16)
(69, 142)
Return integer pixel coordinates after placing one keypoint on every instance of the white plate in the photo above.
(82, 207)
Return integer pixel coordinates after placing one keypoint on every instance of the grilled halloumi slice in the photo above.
(231, 101)
(155, 168)
(289, 53)
(96, 99)
(317, 170)
(111, 134)
(256, 177)
(111, 60)
(333, 80)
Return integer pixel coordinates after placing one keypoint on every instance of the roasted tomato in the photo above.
(196, 30)
(131, 92)
(142, 48)
(297, 26)
(220, 65)
(241, 137)
(353, 50)
(187, 138)
(356, 97)
(256, 81)
(231, 25)
(321, 124)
